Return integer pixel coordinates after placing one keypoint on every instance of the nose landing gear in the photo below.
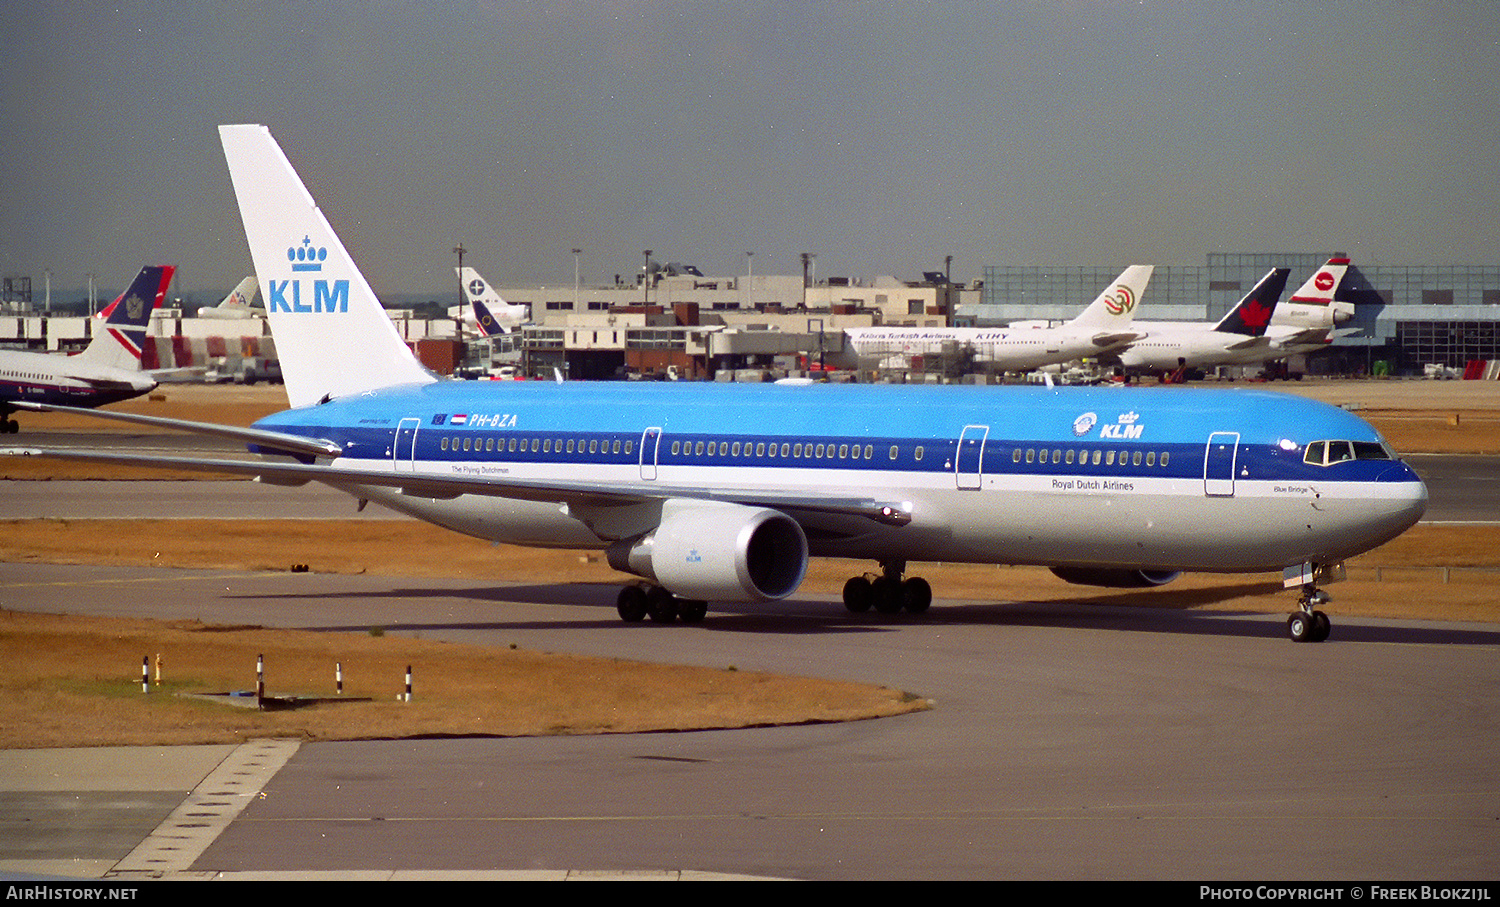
(1309, 624)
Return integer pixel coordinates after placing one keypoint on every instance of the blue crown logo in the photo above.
(305, 257)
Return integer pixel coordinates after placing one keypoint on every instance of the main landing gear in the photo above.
(888, 593)
(636, 602)
(1309, 624)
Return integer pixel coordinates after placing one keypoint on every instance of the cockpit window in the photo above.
(1326, 453)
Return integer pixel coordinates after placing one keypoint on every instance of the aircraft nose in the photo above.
(1409, 492)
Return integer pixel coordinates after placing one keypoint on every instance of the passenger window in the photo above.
(1096, 456)
(1015, 455)
(1164, 458)
(760, 449)
(1150, 458)
(1136, 460)
(843, 451)
(869, 451)
(629, 446)
(1109, 458)
(1069, 457)
(917, 453)
(1030, 455)
(675, 445)
(1056, 456)
(893, 451)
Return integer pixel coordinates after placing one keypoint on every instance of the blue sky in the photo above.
(879, 136)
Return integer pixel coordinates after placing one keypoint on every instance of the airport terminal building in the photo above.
(1407, 317)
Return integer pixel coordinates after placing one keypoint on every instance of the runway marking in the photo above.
(184, 835)
(141, 579)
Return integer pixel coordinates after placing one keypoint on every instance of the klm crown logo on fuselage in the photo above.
(1128, 428)
(331, 296)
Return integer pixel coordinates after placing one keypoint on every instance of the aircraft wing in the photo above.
(428, 485)
(1116, 338)
(293, 444)
(1249, 343)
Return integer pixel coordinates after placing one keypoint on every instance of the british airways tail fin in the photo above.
(118, 339)
(332, 335)
(1252, 315)
(1115, 307)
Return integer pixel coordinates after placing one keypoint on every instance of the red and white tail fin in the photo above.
(121, 331)
(1312, 305)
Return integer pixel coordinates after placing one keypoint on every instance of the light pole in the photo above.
(460, 250)
(646, 279)
(576, 253)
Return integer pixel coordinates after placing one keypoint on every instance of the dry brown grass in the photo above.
(73, 681)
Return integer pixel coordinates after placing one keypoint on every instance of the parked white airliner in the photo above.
(1170, 344)
(488, 313)
(1105, 326)
(238, 305)
(721, 493)
(108, 369)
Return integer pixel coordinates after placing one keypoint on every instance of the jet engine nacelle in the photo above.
(1115, 578)
(712, 551)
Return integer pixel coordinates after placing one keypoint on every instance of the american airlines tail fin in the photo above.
(332, 335)
(1114, 309)
(118, 340)
(240, 303)
(1253, 314)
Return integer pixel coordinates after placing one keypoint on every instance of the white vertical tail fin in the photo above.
(1114, 309)
(332, 335)
(1312, 305)
(242, 296)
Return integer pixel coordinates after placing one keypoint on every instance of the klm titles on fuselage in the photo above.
(323, 296)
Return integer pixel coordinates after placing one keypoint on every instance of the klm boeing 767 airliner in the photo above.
(722, 493)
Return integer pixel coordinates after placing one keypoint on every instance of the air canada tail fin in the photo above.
(118, 340)
(1115, 307)
(1253, 313)
(332, 335)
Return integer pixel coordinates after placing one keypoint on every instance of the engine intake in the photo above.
(715, 551)
(1115, 578)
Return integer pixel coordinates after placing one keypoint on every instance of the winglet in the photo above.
(332, 335)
